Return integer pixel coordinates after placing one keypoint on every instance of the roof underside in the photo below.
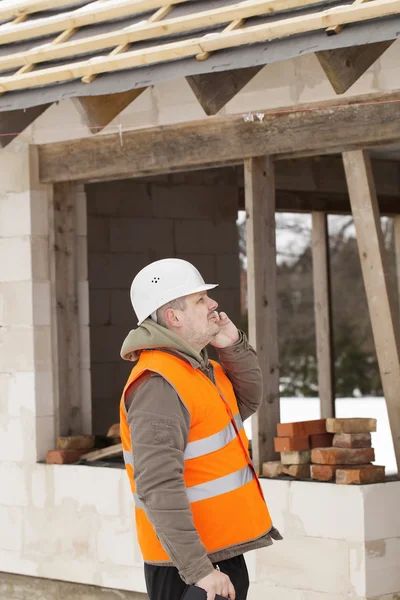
(120, 45)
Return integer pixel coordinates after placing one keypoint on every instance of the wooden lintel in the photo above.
(323, 313)
(13, 122)
(397, 252)
(347, 123)
(262, 299)
(344, 66)
(214, 90)
(384, 318)
(98, 111)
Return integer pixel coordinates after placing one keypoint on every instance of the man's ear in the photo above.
(172, 318)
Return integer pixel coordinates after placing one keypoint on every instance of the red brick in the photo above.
(352, 440)
(360, 475)
(301, 457)
(350, 425)
(76, 442)
(298, 471)
(324, 472)
(64, 457)
(321, 440)
(272, 469)
(301, 428)
(291, 444)
(342, 456)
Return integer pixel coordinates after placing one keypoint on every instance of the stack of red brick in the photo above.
(326, 450)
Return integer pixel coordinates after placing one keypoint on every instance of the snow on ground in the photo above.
(303, 409)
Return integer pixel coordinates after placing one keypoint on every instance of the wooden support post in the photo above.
(323, 313)
(384, 318)
(396, 221)
(65, 295)
(262, 298)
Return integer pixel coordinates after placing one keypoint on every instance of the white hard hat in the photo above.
(163, 281)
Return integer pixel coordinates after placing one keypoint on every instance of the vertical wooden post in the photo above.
(397, 251)
(65, 307)
(384, 318)
(262, 298)
(323, 313)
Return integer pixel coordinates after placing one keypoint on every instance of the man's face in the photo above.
(199, 322)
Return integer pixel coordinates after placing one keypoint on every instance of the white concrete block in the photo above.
(11, 526)
(40, 258)
(84, 346)
(118, 577)
(133, 235)
(41, 303)
(16, 304)
(228, 270)
(115, 541)
(44, 394)
(307, 564)
(13, 562)
(382, 566)
(16, 349)
(276, 494)
(357, 557)
(380, 523)
(41, 493)
(98, 488)
(75, 570)
(15, 259)
(40, 203)
(13, 439)
(21, 394)
(15, 492)
(86, 400)
(45, 436)
(15, 168)
(115, 270)
(98, 234)
(263, 591)
(15, 214)
(43, 348)
(83, 302)
(325, 511)
(197, 237)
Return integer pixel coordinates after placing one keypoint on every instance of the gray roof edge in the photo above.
(238, 58)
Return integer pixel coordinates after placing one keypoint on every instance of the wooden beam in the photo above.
(396, 225)
(13, 122)
(262, 299)
(65, 293)
(170, 51)
(98, 111)
(214, 90)
(147, 30)
(347, 123)
(29, 7)
(323, 313)
(345, 66)
(384, 319)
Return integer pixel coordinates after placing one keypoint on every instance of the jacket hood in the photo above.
(150, 336)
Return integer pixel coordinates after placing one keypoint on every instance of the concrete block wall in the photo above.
(27, 406)
(134, 222)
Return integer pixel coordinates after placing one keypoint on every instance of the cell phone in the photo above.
(195, 593)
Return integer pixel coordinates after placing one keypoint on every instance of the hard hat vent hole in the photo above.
(155, 280)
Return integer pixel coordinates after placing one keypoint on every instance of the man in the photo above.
(199, 505)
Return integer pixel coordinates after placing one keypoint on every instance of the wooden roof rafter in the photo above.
(206, 43)
(10, 10)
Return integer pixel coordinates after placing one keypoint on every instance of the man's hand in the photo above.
(217, 583)
(228, 333)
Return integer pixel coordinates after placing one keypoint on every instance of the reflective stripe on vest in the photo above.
(213, 442)
(210, 489)
(128, 457)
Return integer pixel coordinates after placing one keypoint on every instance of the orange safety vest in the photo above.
(225, 495)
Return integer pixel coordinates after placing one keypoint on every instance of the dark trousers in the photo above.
(164, 583)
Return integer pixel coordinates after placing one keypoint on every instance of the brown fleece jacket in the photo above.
(159, 425)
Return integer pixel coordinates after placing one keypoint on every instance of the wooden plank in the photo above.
(65, 292)
(191, 47)
(338, 28)
(93, 13)
(108, 452)
(396, 226)
(347, 123)
(345, 66)
(323, 313)
(29, 7)
(214, 90)
(262, 299)
(384, 319)
(148, 30)
(98, 111)
(13, 122)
